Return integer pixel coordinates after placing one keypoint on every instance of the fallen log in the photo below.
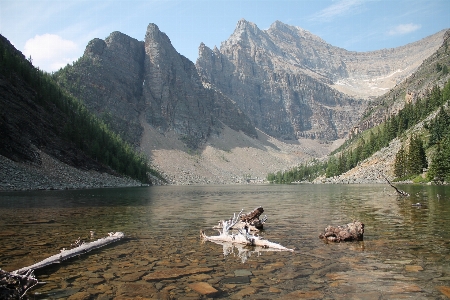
(243, 251)
(14, 285)
(241, 237)
(351, 232)
(81, 248)
(250, 220)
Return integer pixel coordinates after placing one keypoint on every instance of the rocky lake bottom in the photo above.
(405, 252)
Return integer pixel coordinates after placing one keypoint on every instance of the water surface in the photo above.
(405, 252)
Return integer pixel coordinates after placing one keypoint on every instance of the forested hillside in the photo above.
(57, 123)
(416, 113)
(429, 147)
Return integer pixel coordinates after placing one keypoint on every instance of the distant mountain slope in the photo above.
(29, 123)
(434, 70)
(40, 125)
(288, 80)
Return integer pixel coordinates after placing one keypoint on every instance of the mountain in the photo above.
(433, 71)
(293, 84)
(266, 101)
(133, 84)
(416, 109)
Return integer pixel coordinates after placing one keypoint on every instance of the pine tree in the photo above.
(417, 159)
(400, 163)
(440, 163)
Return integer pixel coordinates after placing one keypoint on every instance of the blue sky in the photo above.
(56, 32)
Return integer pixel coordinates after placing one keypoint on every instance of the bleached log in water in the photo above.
(246, 239)
(66, 254)
(14, 285)
(244, 252)
(250, 220)
(242, 237)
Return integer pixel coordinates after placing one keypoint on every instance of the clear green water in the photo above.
(405, 252)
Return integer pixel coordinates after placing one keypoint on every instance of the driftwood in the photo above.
(351, 232)
(81, 248)
(243, 251)
(250, 220)
(399, 192)
(242, 236)
(14, 285)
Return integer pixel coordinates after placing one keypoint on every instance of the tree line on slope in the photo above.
(82, 128)
(409, 163)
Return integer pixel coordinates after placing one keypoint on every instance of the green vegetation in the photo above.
(439, 131)
(304, 172)
(412, 162)
(409, 162)
(82, 128)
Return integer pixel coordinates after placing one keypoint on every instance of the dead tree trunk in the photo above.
(400, 192)
(242, 237)
(81, 249)
(252, 218)
(14, 285)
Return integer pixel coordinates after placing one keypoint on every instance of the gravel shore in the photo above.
(54, 175)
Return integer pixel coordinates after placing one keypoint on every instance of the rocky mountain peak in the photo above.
(204, 50)
(154, 36)
(245, 31)
(243, 25)
(282, 27)
(95, 47)
(293, 34)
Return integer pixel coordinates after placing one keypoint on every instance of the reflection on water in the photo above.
(405, 252)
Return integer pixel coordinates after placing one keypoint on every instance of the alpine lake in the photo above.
(405, 253)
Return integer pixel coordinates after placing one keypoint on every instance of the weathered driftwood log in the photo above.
(14, 285)
(351, 232)
(250, 220)
(241, 237)
(80, 248)
(243, 251)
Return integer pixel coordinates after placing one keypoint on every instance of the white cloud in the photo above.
(50, 52)
(404, 29)
(340, 8)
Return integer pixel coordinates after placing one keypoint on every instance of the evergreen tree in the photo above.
(333, 167)
(400, 163)
(417, 159)
(440, 165)
(439, 127)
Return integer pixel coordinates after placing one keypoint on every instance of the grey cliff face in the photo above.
(173, 91)
(127, 82)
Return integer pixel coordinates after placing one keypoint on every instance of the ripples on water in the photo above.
(405, 252)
